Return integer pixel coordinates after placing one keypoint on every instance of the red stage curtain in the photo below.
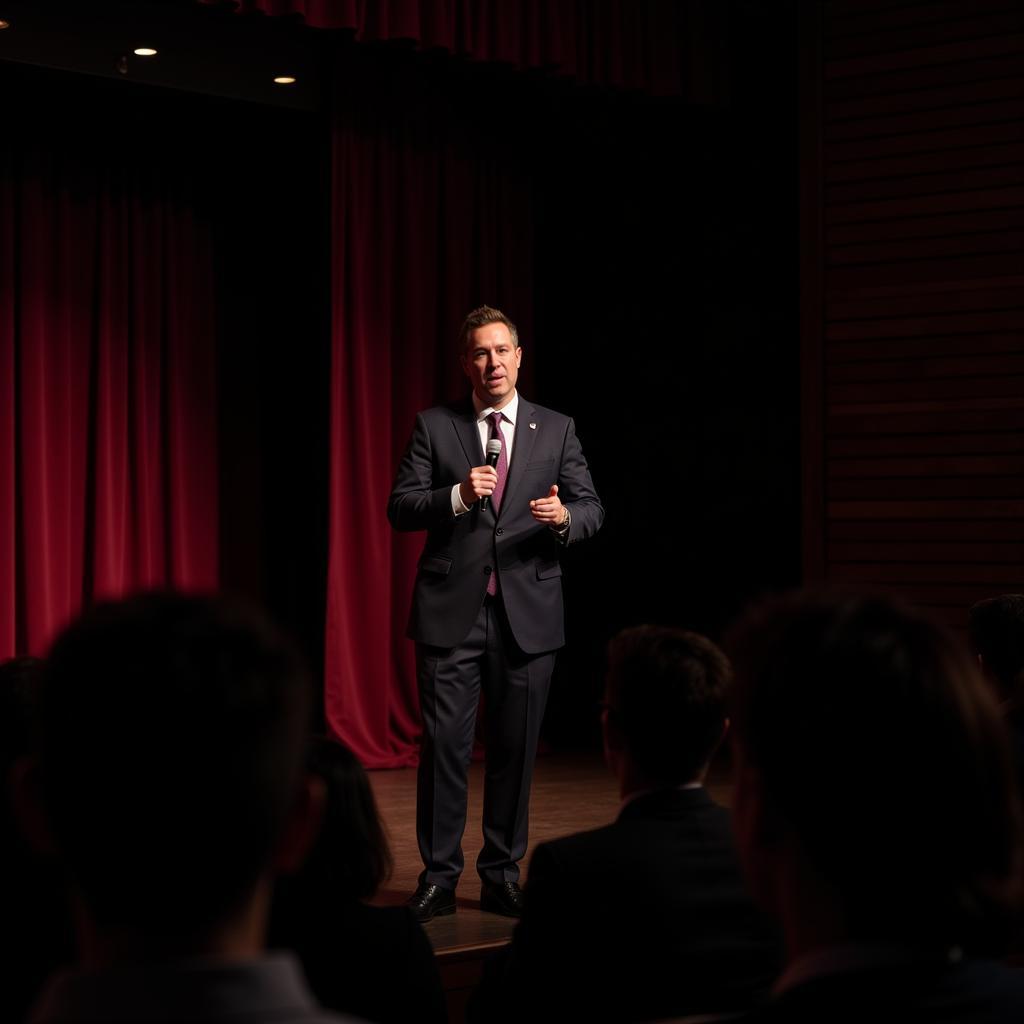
(107, 389)
(633, 44)
(431, 217)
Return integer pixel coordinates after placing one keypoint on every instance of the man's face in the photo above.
(491, 362)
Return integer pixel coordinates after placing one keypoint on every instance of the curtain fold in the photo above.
(431, 217)
(107, 376)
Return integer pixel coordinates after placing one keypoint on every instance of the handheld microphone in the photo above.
(493, 454)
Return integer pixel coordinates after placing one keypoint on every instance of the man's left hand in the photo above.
(548, 510)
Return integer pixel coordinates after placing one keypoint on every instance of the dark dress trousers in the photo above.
(503, 646)
(643, 919)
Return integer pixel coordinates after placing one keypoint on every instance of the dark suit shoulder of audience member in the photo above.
(36, 921)
(877, 812)
(375, 962)
(647, 917)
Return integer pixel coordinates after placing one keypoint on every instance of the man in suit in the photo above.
(876, 813)
(646, 918)
(487, 603)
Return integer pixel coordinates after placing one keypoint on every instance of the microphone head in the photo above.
(494, 446)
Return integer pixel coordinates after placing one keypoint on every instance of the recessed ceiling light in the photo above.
(144, 51)
(284, 80)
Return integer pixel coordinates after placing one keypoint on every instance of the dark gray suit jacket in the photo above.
(644, 919)
(461, 552)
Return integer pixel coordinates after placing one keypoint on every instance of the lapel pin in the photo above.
(533, 426)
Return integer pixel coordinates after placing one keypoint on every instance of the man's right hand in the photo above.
(480, 483)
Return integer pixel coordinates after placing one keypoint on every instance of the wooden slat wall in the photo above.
(913, 272)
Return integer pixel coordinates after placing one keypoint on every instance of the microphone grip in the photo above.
(492, 461)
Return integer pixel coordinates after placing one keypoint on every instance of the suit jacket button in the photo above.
(488, 570)
(499, 531)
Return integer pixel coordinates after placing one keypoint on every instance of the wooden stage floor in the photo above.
(570, 793)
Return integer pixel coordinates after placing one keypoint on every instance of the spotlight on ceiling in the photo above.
(144, 51)
(284, 80)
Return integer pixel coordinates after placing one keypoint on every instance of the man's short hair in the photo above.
(481, 317)
(875, 740)
(171, 736)
(667, 689)
(997, 634)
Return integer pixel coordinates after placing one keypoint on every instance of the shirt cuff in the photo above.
(459, 507)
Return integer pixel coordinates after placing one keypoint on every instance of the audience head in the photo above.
(351, 855)
(665, 701)
(172, 732)
(997, 636)
(19, 680)
(873, 762)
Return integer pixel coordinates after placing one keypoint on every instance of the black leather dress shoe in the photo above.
(502, 898)
(431, 901)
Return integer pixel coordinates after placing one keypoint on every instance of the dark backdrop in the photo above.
(664, 320)
(667, 325)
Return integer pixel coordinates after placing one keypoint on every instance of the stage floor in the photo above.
(570, 793)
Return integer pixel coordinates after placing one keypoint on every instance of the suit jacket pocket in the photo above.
(440, 564)
(536, 464)
(549, 570)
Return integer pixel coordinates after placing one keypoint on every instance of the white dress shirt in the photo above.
(483, 426)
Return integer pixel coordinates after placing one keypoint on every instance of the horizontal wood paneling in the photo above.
(925, 184)
(923, 445)
(950, 488)
(920, 266)
(852, 17)
(940, 417)
(998, 575)
(925, 163)
(980, 68)
(942, 466)
(890, 102)
(969, 552)
(918, 369)
(954, 531)
(906, 348)
(914, 510)
(973, 47)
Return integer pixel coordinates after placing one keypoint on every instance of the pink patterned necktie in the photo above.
(499, 490)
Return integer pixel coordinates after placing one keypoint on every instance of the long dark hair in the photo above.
(351, 854)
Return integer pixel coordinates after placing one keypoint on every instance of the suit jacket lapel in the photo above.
(465, 426)
(521, 450)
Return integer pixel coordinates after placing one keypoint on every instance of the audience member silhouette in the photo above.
(876, 813)
(997, 637)
(645, 918)
(169, 779)
(374, 962)
(36, 922)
